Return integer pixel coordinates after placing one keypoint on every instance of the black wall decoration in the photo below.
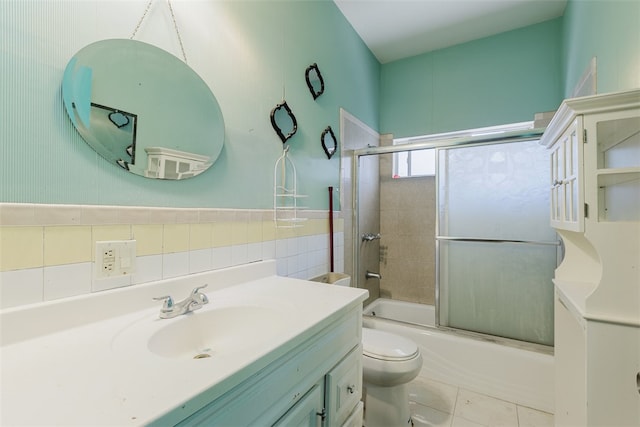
(314, 80)
(283, 121)
(328, 140)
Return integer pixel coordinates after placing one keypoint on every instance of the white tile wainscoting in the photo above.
(47, 251)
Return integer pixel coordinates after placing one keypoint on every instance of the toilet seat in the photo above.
(386, 346)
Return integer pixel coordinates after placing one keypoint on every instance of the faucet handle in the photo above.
(168, 302)
(196, 292)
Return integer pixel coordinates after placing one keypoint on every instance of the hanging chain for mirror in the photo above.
(175, 26)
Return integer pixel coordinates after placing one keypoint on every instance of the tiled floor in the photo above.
(438, 404)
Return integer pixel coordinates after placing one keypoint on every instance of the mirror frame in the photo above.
(329, 151)
(314, 93)
(283, 106)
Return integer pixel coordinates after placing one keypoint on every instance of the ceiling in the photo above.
(396, 29)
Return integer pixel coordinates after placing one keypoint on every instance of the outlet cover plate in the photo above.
(115, 258)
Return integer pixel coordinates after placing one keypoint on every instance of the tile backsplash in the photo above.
(48, 251)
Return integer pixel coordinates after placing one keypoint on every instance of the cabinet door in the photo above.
(344, 387)
(356, 417)
(567, 199)
(308, 412)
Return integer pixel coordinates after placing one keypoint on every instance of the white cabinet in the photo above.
(318, 383)
(567, 206)
(617, 164)
(594, 147)
(165, 163)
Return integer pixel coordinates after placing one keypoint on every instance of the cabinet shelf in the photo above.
(298, 196)
(290, 222)
(291, 208)
(608, 177)
(613, 133)
(574, 296)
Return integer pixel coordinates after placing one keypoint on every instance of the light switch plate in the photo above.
(115, 258)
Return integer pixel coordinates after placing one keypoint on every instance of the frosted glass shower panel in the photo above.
(497, 250)
(497, 191)
(500, 289)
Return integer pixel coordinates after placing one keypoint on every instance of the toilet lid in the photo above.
(386, 346)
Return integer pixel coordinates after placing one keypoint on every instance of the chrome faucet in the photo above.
(193, 302)
(367, 237)
(372, 275)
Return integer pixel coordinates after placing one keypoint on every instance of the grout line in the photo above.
(455, 405)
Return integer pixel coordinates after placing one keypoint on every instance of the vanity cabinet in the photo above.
(279, 351)
(308, 412)
(334, 401)
(318, 383)
(594, 145)
(344, 388)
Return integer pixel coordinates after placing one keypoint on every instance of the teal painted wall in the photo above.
(608, 30)
(250, 53)
(501, 79)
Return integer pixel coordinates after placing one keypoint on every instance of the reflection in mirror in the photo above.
(329, 143)
(143, 109)
(314, 80)
(113, 133)
(283, 121)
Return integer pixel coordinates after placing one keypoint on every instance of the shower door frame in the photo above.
(438, 142)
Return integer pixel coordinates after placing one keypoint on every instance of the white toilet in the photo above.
(389, 363)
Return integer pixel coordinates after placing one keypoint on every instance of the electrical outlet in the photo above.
(115, 258)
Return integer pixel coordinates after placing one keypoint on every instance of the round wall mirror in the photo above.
(143, 109)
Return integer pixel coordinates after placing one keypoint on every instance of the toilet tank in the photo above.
(339, 279)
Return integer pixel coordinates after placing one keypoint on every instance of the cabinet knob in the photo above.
(351, 389)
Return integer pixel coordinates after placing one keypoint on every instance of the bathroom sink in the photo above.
(205, 333)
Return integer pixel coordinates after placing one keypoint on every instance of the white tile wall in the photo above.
(175, 264)
(254, 252)
(148, 269)
(109, 283)
(239, 254)
(21, 287)
(221, 257)
(67, 280)
(300, 257)
(269, 249)
(200, 260)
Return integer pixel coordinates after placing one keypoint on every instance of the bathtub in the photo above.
(514, 374)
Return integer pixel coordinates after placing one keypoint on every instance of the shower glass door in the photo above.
(496, 250)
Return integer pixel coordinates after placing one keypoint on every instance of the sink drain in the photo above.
(202, 356)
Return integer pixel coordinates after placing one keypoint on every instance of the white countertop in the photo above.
(99, 373)
(574, 295)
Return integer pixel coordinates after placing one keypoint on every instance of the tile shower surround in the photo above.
(47, 251)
